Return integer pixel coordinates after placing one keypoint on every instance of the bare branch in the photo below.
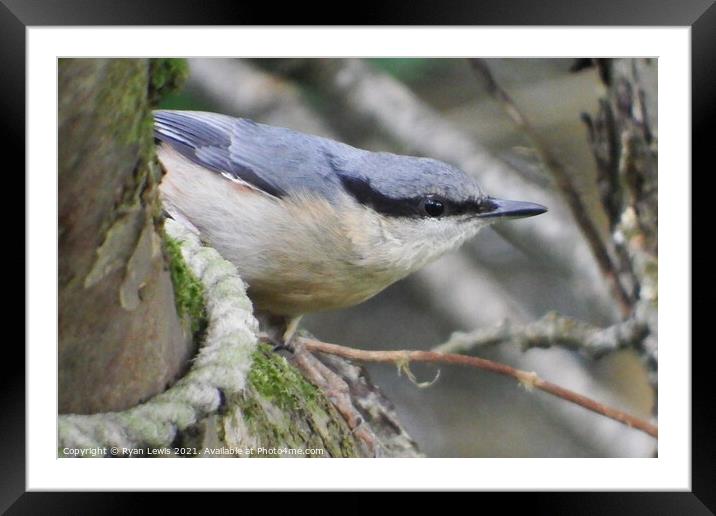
(564, 182)
(623, 135)
(552, 330)
(529, 380)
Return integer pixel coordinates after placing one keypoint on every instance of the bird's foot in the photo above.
(283, 345)
(285, 341)
(277, 342)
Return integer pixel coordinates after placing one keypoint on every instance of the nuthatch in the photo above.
(313, 224)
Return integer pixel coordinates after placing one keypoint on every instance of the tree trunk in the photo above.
(120, 339)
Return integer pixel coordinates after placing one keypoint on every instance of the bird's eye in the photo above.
(432, 207)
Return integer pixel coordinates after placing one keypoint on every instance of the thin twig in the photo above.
(528, 379)
(552, 330)
(565, 185)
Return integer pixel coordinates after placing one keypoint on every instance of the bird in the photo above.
(313, 224)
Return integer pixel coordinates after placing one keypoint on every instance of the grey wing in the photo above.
(275, 160)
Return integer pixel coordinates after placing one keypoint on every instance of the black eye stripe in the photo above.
(363, 192)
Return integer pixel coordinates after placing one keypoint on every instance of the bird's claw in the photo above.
(278, 343)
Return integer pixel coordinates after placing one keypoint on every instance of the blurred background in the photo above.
(516, 271)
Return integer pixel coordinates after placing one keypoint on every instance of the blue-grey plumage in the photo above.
(276, 160)
(311, 223)
(280, 161)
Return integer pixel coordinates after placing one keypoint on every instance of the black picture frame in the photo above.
(17, 15)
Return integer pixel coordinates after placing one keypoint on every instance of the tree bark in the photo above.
(120, 338)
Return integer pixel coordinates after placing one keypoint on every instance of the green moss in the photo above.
(273, 377)
(280, 408)
(188, 291)
(166, 76)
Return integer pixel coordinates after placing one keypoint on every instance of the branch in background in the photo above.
(529, 380)
(552, 330)
(239, 88)
(623, 135)
(564, 183)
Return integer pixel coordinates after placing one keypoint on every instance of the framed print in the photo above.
(262, 241)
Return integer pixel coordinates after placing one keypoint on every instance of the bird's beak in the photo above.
(504, 209)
